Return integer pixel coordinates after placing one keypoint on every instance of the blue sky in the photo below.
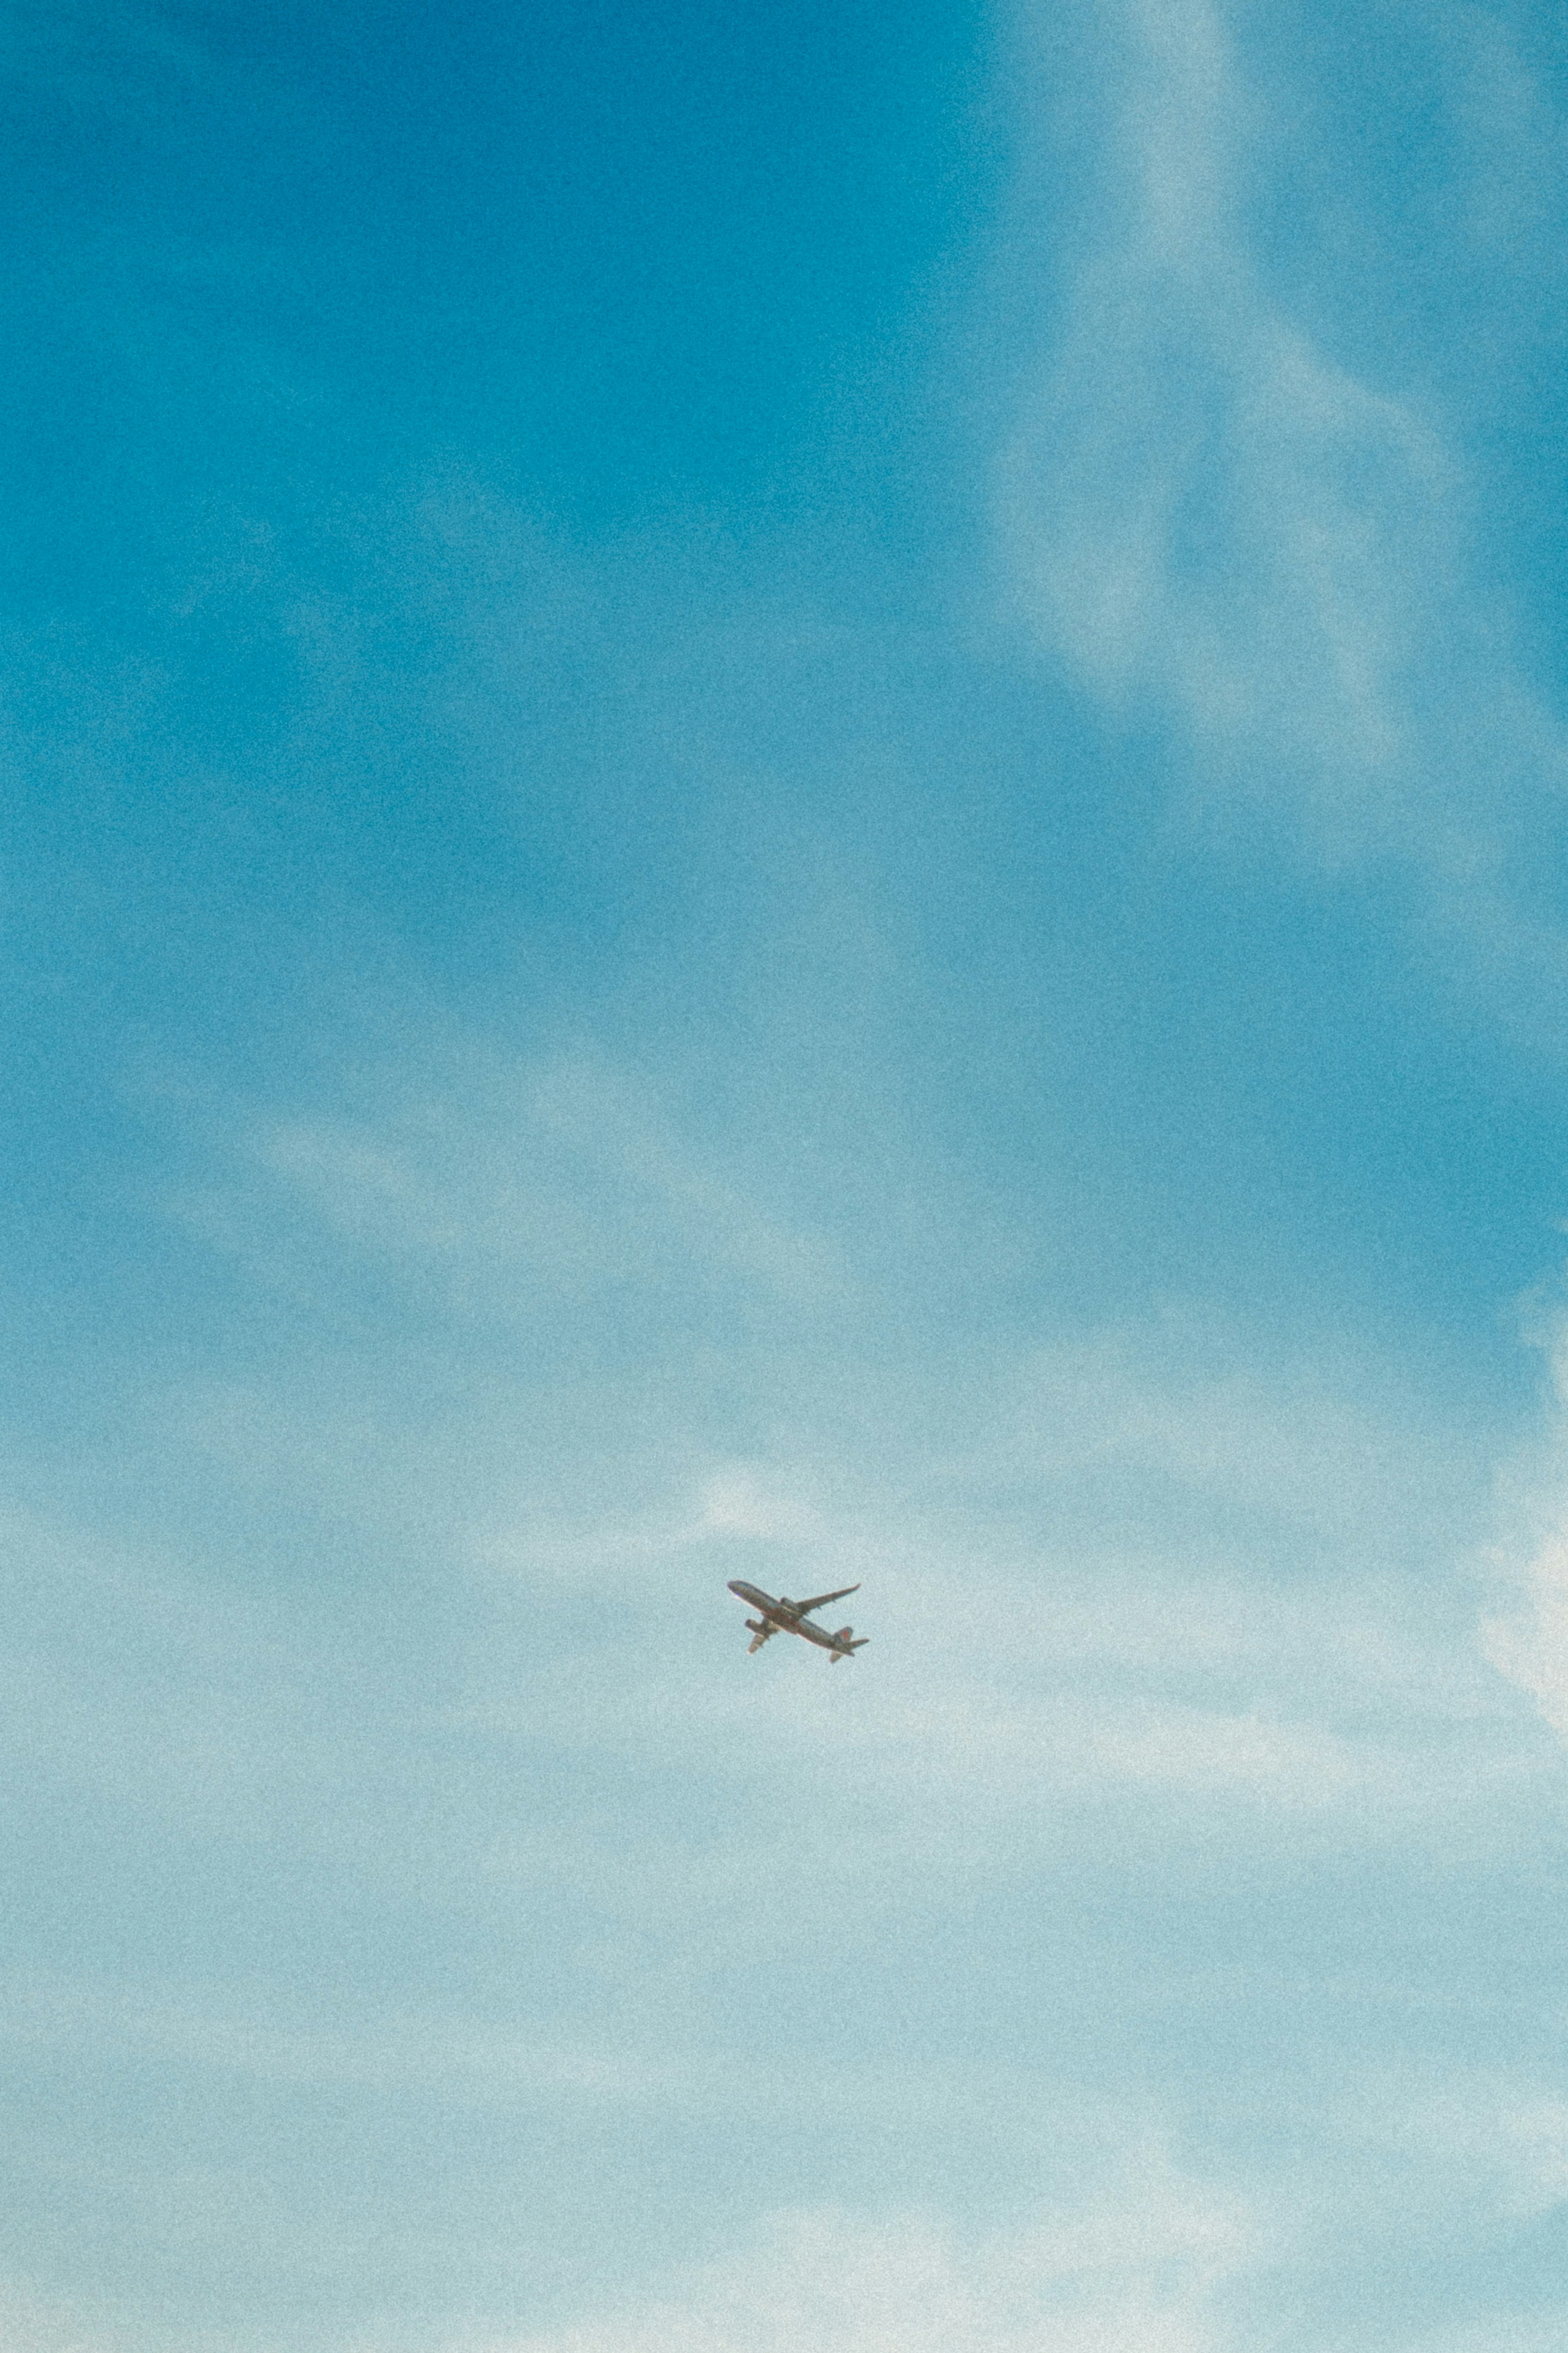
(784, 799)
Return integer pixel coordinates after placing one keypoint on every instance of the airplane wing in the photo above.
(823, 1599)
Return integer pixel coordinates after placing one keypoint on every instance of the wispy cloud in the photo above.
(1542, 2334)
(1510, 2136)
(33, 2323)
(1219, 524)
(566, 1173)
(1137, 2270)
(455, 2057)
(1527, 1638)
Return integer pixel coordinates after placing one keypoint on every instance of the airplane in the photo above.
(786, 1616)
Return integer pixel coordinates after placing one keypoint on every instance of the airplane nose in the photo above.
(734, 1585)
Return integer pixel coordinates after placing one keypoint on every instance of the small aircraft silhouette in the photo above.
(786, 1616)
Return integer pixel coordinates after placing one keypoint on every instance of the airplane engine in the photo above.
(757, 1626)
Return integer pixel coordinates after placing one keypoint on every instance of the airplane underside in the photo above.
(785, 1617)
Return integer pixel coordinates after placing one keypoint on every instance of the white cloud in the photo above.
(466, 2063)
(1433, 2154)
(498, 1180)
(1137, 2270)
(1513, 2139)
(1500, 2333)
(1215, 519)
(737, 1503)
(1528, 1639)
(1178, 1399)
(1534, 1648)
(33, 2323)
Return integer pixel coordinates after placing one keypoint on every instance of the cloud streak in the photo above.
(1218, 522)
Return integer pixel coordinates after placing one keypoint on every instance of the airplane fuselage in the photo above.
(785, 1617)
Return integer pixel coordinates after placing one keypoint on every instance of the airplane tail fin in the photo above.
(845, 1635)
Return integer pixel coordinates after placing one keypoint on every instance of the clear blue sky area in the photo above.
(784, 799)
